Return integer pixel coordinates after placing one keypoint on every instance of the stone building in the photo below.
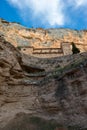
(65, 49)
(27, 49)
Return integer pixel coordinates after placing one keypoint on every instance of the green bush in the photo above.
(75, 50)
(19, 47)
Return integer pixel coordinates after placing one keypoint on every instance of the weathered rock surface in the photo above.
(48, 88)
(40, 38)
(17, 91)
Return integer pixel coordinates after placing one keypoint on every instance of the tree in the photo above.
(75, 50)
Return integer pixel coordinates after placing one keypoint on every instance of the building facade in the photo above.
(65, 49)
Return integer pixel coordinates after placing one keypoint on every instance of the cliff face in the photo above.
(48, 88)
(65, 97)
(40, 38)
(18, 92)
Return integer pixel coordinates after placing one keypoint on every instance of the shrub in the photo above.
(19, 47)
(75, 50)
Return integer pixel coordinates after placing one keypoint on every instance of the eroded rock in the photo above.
(57, 90)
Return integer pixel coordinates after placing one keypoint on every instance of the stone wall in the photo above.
(27, 50)
(48, 52)
(67, 48)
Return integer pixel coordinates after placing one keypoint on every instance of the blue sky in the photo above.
(46, 13)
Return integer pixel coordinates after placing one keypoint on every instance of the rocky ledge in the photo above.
(50, 89)
(18, 36)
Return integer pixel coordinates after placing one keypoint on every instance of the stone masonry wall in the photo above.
(48, 52)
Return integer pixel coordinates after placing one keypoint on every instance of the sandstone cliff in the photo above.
(40, 38)
(52, 89)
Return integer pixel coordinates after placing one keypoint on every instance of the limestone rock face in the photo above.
(40, 38)
(58, 92)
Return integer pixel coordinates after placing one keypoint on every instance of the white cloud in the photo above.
(77, 3)
(81, 2)
(50, 10)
